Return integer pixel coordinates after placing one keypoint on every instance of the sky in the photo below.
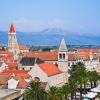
(80, 16)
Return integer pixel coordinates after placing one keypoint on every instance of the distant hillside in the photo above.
(51, 37)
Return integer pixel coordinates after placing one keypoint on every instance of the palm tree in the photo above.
(53, 93)
(93, 77)
(65, 90)
(90, 78)
(82, 77)
(34, 92)
(78, 74)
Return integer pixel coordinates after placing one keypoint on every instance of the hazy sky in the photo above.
(82, 16)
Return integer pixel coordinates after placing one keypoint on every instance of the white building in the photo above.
(48, 72)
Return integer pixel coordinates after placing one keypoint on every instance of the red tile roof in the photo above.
(53, 55)
(45, 56)
(6, 52)
(20, 75)
(4, 74)
(50, 69)
(24, 76)
(12, 65)
(16, 72)
(85, 56)
(87, 50)
(22, 83)
(71, 57)
(22, 47)
(12, 30)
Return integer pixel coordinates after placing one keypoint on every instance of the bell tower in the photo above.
(12, 41)
(63, 56)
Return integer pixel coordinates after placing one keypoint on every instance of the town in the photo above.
(75, 72)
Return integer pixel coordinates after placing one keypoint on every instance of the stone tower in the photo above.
(63, 56)
(12, 42)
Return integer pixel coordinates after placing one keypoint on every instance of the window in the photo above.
(30, 68)
(60, 56)
(36, 78)
(14, 37)
(22, 68)
(63, 55)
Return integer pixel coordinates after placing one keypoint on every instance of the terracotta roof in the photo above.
(4, 74)
(8, 58)
(45, 56)
(87, 50)
(50, 69)
(20, 75)
(85, 56)
(15, 71)
(4, 78)
(12, 30)
(6, 52)
(53, 55)
(12, 65)
(71, 57)
(22, 83)
(23, 47)
(24, 76)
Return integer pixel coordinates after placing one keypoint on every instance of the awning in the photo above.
(96, 90)
(91, 95)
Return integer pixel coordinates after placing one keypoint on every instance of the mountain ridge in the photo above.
(51, 37)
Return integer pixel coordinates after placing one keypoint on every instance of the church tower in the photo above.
(12, 41)
(63, 56)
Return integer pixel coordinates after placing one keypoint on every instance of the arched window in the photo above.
(37, 79)
(63, 55)
(22, 68)
(60, 56)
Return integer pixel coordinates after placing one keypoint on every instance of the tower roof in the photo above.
(12, 30)
(62, 45)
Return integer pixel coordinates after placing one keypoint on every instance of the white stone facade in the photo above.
(55, 80)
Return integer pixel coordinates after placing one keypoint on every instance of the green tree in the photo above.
(53, 93)
(65, 90)
(78, 75)
(93, 78)
(34, 92)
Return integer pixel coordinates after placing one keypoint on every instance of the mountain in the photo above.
(51, 36)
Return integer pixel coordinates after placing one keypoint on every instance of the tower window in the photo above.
(63, 56)
(60, 56)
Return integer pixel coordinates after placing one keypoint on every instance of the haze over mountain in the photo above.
(52, 36)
